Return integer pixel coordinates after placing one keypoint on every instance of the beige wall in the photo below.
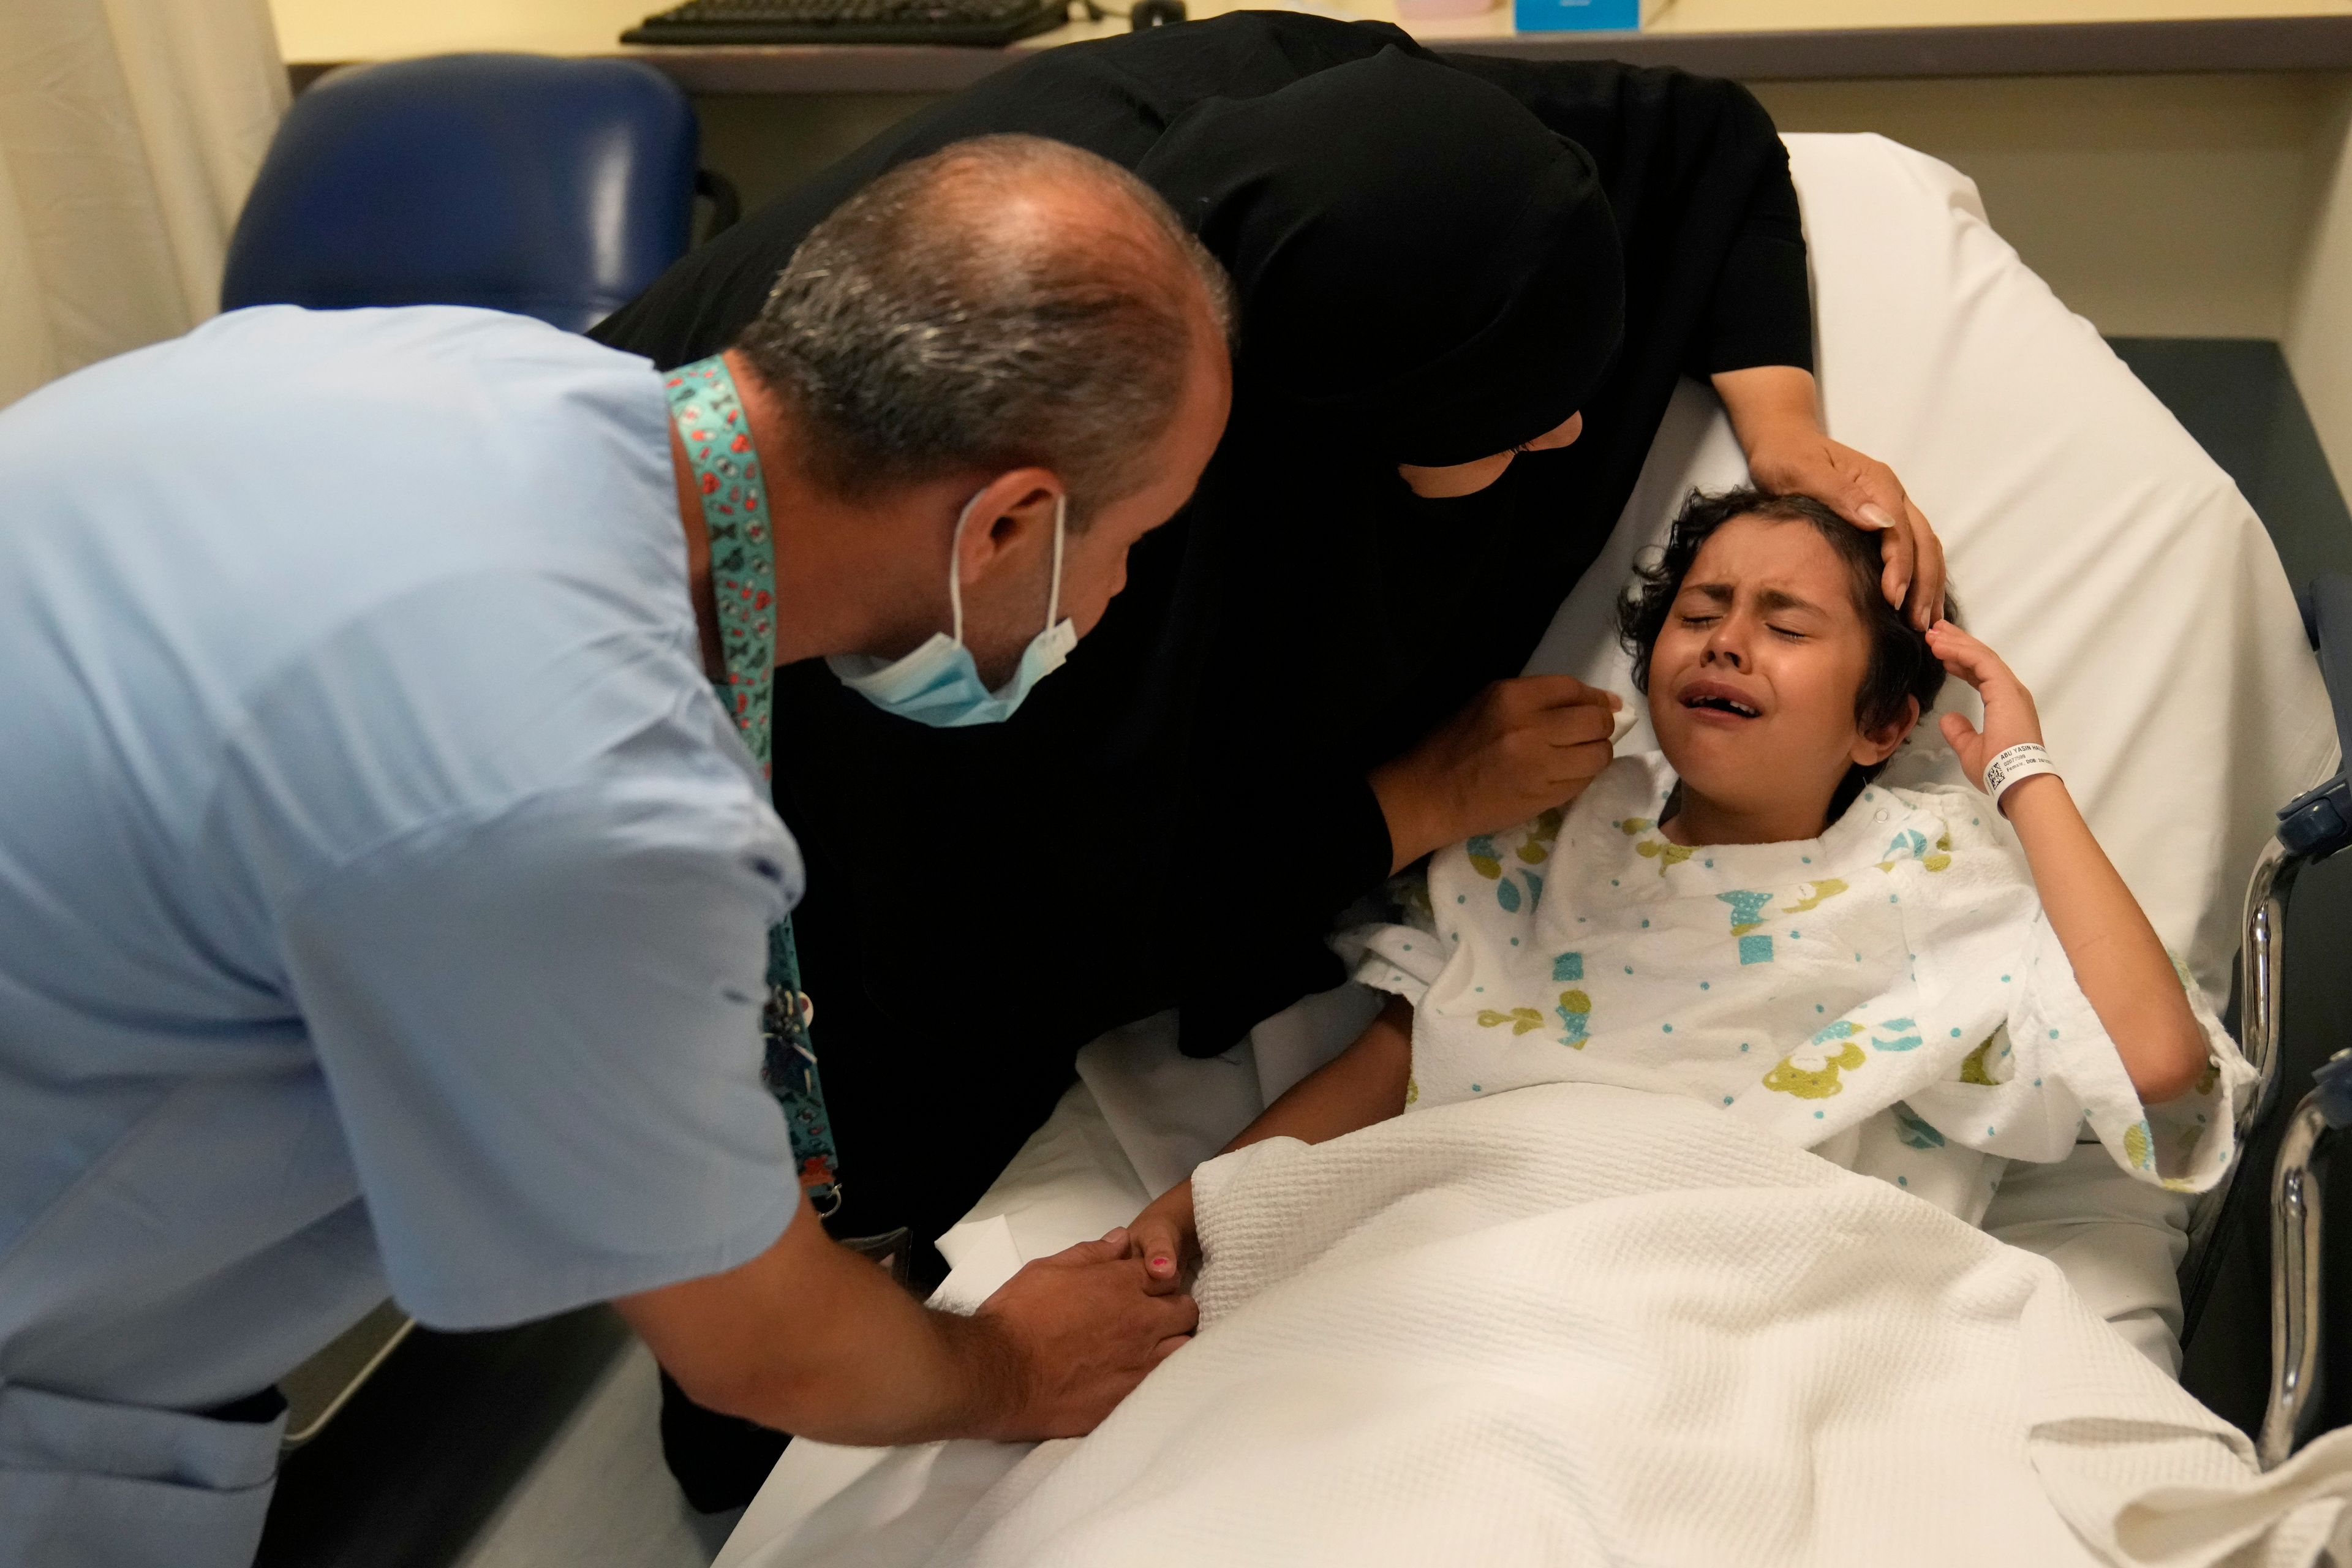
(2166, 206)
(2318, 338)
(2154, 205)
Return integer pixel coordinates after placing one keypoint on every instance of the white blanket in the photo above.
(1577, 1323)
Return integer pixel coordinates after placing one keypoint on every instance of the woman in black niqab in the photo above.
(1437, 261)
(1427, 275)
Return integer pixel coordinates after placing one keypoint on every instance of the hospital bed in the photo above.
(2118, 570)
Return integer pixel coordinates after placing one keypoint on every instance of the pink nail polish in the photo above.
(1160, 1263)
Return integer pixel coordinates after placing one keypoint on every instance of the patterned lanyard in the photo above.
(718, 437)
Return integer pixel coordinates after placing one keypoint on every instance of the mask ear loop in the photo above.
(955, 564)
(1054, 599)
(955, 567)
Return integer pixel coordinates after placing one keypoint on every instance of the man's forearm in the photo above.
(888, 1369)
(952, 1376)
(812, 1338)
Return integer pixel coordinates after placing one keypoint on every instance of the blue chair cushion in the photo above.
(552, 188)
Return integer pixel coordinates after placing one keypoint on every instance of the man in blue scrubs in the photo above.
(385, 894)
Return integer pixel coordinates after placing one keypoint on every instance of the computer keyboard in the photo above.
(982, 23)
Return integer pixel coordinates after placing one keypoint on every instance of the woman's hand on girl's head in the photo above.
(1775, 411)
(2011, 719)
(1866, 493)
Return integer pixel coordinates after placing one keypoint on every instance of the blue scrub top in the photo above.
(383, 890)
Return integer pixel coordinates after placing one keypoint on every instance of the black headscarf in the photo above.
(1427, 275)
(1437, 259)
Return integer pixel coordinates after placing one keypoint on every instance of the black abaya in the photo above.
(1175, 817)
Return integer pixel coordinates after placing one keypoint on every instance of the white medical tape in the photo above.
(2020, 761)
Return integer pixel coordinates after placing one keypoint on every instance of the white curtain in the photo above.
(129, 133)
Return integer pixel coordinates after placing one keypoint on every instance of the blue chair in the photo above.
(552, 188)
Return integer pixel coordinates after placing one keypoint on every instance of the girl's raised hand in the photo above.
(2010, 719)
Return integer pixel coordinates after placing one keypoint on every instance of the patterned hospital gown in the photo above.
(1888, 996)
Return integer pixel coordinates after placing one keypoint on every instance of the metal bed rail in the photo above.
(2295, 1271)
(2259, 952)
(2311, 828)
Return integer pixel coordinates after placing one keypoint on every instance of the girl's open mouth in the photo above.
(1715, 697)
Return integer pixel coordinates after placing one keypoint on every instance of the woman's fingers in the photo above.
(1866, 493)
(1874, 497)
(1575, 745)
(1896, 549)
(1874, 500)
(1557, 691)
(1574, 724)
(1926, 602)
(1521, 746)
(1560, 715)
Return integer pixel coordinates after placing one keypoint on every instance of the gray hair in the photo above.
(923, 328)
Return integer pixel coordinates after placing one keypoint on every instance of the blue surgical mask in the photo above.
(939, 684)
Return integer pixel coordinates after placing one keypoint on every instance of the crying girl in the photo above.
(1919, 984)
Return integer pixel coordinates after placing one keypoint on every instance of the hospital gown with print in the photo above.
(1888, 996)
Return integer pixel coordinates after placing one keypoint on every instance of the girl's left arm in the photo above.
(2118, 960)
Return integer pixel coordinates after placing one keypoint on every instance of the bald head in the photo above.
(1009, 302)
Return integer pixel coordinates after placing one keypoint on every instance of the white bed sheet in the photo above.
(2091, 542)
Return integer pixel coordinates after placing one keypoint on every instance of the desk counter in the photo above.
(1784, 40)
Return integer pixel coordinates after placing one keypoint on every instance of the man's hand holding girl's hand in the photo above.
(2010, 719)
(1076, 1332)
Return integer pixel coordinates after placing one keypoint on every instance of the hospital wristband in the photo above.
(2023, 761)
